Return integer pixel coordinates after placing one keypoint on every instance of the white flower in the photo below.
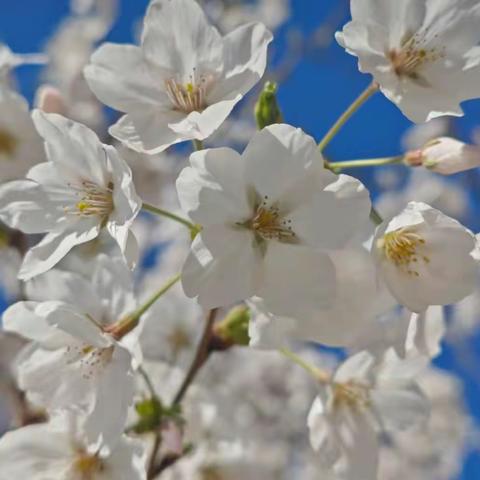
(445, 155)
(357, 300)
(425, 258)
(422, 53)
(76, 361)
(183, 81)
(10, 60)
(365, 397)
(20, 144)
(411, 335)
(172, 329)
(84, 187)
(60, 451)
(69, 50)
(269, 218)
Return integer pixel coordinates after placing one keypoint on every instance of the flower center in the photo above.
(94, 200)
(8, 143)
(210, 473)
(91, 360)
(401, 247)
(191, 96)
(87, 466)
(268, 224)
(178, 340)
(413, 55)
(351, 395)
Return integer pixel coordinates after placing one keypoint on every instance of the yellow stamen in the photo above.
(87, 466)
(401, 247)
(8, 143)
(352, 395)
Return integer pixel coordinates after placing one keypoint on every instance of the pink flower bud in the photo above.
(50, 100)
(446, 156)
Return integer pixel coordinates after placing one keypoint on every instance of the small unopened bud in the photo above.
(233, 329)
(50, 100)
(445, 155)
(267, 111)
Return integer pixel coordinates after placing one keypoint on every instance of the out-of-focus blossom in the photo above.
(364, 398)
(20, 144)
(60, 450)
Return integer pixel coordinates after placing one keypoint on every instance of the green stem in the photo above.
(368, 92)
(198, 145)
(165, 213)
(148, 382)
(319, 375)
(127, 324)
(375, 217)
(138, 313)
(370, 162)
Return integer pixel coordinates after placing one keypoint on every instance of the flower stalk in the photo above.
(364, 96)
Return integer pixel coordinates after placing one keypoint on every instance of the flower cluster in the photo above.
(183, 339)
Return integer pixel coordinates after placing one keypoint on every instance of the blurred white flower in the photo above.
(59, 449)
(172, 329)
(269, 219)
(437, 451)
(20, 144)
(183, 81)
(229, 14)
(84, 187)
(10, 60)
(424, 257)
(417, 136)
(423, 54)
(364, 398)
(75, 360)
(69, 50)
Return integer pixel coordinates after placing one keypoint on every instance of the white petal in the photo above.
(332, 217)
(122, 79)
(222, 267)
(114, 394)
(148, 131)
(212, 191)
(25, 206)
(296, 281)
(74, 148)
(400, 407)
(34, 452)
(67, 287)
(22, 318)
(178, 38)
(55, 246)
(245, 54)
(357, 367)
(76, 323)
(278, 158)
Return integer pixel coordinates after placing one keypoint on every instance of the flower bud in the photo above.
(445, 155)
(267, 111)
(50, 100)
(233, 329)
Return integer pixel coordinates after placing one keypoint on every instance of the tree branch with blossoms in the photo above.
(288, 253)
